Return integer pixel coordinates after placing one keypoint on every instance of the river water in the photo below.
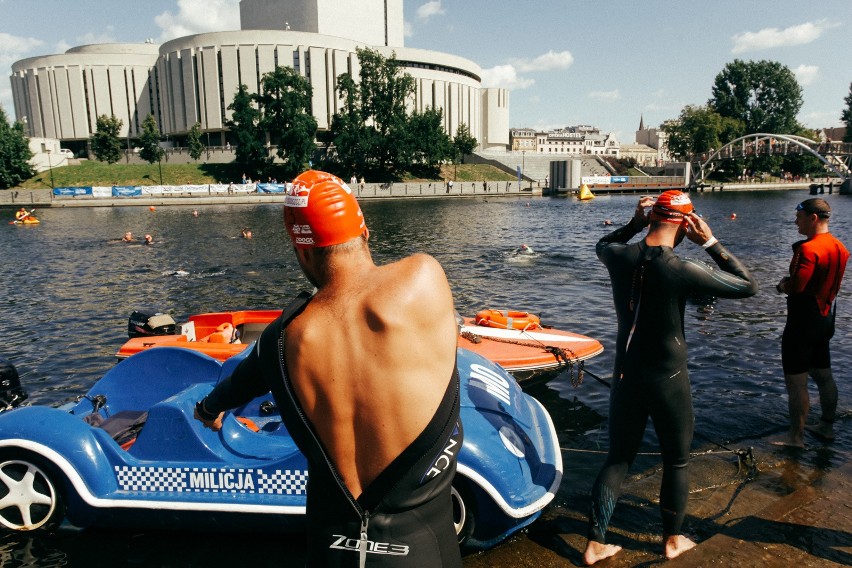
(69, 285)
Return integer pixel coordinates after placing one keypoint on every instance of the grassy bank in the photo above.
(93, 173)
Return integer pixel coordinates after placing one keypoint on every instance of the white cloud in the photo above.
(106, 36)
(806, 74)
(768, 38)
(429, 9)
(821, 119)
(407, 29)
(505, 76)
(198, 16)
(546, 62)
(12, 49)
(613, 95)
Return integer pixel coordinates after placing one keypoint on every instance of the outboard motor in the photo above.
(11, 393)
(144, 324)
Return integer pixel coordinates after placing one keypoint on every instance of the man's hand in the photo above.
(215, 424)
(781, 287)
(641, 217)
(697, 229)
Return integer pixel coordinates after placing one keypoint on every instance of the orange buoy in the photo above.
(152, 208)
(223, 334)
(733, 215)
(508, 319)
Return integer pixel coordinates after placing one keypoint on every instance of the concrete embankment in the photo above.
(425, 190)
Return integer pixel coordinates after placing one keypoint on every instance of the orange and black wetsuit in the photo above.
(815, 274)
(650, 286)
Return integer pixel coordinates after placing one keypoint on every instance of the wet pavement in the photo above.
(785, 508)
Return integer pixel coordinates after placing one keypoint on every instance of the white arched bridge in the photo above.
(836, 156)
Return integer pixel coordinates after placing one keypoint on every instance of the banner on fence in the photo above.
(126, 191)
(618, 179)
(102, 191)
(595, 179)
(72, 191)
(273, 187)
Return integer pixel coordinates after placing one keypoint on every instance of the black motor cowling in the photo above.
(11, 393)
(146, 324)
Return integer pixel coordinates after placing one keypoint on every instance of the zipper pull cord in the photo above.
(362, 544)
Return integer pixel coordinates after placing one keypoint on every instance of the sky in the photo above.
(566, 62)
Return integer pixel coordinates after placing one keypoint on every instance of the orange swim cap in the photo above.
(671, 206)
(321, 211)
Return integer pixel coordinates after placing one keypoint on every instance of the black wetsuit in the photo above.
(650, 285)
(404, 517)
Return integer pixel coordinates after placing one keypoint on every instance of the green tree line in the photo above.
(748, 97)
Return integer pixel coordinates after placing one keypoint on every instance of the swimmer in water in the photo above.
(246, 233)
(128, 237)
(525, 249)
(149, 240)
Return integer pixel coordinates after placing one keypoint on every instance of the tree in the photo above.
(698, 129)
(763, 95)
(463, 142)
(244, 124)
(846, 116)
(149, 143)
(106, 145)
(14, 153)
(194, 143)
(428, 145)
(374, 109)
(285, 102)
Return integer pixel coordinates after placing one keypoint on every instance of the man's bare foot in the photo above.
(596, 551)
(676, 545)
(822, 429)
(789, 440)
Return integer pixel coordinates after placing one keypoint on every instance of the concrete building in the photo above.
(194, 78)
(577, 140)
(653, 138)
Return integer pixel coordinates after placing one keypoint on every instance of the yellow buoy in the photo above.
(585, 193)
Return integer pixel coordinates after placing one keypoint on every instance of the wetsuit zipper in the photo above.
(362, 513)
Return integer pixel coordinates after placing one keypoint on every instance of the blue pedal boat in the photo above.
(69, 464)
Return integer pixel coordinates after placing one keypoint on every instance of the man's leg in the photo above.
(798, 405)
(824, 380)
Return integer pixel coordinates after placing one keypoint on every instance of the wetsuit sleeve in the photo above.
(801, 269)
(731, 280)
(619, 236)
(245, 384)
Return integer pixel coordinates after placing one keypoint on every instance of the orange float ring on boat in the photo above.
(507, 319)
(223, 334)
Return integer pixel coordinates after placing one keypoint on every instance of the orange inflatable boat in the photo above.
(515, 340)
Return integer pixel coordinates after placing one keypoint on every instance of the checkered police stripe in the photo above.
(210, 480)
(133, 478)
(290, 482)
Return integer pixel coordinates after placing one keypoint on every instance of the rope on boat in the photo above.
(565, 357)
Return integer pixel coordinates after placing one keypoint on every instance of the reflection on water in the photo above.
(69, 286)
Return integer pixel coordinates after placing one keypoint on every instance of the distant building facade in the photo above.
(522, 139)
(571, 140)
(194, 78)
(652, 138)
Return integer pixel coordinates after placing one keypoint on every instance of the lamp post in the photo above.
(50, 167)
(523, 159)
